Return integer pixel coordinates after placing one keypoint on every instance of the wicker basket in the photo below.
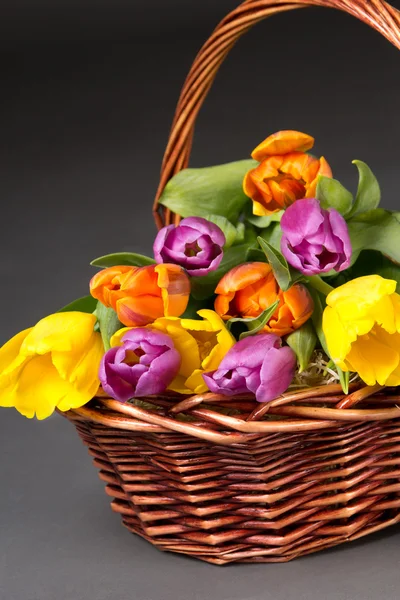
(275, 481)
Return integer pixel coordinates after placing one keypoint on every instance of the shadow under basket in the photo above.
(231, 480)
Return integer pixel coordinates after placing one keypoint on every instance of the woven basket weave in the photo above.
(276, 481)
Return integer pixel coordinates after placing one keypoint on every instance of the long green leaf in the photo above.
(255, 324)
(86, 304)
(368, 193)
(214, 190)
(278, 264)
(122, 258)
(319, 306)
(344, 378)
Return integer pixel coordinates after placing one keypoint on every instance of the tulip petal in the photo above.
(63, 332)
(159, 242)
(140, 310)
(351, 300)
(372, 359)
(40, 389)
(206, 228)
(277, 372)
(338, 338)
(81, 369)
(10, 359)
(283, 142)
(241, 276)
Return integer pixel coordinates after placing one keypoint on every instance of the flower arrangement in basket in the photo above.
(268, 308)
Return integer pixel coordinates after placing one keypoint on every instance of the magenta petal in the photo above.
(205, 227)
(277, 373)
(314, 240)
(156, 364)
(159, 242)
(340, 230)
(301, 220)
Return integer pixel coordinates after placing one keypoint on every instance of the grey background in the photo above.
(88, 94)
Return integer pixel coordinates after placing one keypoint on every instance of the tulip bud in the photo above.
(315, 240)
(195, 244)
(144, 365)
(257, 364)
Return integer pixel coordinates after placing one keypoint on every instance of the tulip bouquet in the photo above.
(276, 276)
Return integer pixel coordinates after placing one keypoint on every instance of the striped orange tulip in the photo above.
(247, 290)
(140, 295)
(285, 173)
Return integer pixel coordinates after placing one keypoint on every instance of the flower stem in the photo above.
(319, 284)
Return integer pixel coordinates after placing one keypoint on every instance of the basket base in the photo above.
(272, 499)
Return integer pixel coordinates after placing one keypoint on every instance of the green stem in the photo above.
(319, 284)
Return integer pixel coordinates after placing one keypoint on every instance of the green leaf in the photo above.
(230, 232)
(272, 234)
(368, 192)
(204, 287)
(255, 255)
(214, 190)
(240, 233)
(381, 234)
(303, 342)
(344, 378)
(122, 258)
(278, 264)
(108, 323)
(371, 262)
(86, 304)
(261, 222)
(332, 194)
(316, 317)
(255, 324)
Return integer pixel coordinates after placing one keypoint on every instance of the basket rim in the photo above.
(307, 410)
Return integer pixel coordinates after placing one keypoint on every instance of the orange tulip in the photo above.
(139, 295)
(247, 290)
(285, 173)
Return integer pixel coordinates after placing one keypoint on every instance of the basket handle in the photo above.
(377, 13)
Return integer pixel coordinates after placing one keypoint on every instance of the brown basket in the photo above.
(275, 481)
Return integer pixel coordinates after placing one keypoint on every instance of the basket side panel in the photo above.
(270, 500)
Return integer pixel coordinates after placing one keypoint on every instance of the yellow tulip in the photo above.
(202, 344)
(361, 324)
(52, 365)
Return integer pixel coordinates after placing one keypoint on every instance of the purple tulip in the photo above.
(195, 244)
(315, 240)
(257, 364)
(145, 364)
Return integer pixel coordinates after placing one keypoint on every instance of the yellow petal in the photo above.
(40, 389)
(195, 383)
(81, 370)
(63, 332)
(338, 338)
(373, 358)
(179, 386)
(395, 298)
(357, 297)
(184, 343)
(116, 339)
(10, 358)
